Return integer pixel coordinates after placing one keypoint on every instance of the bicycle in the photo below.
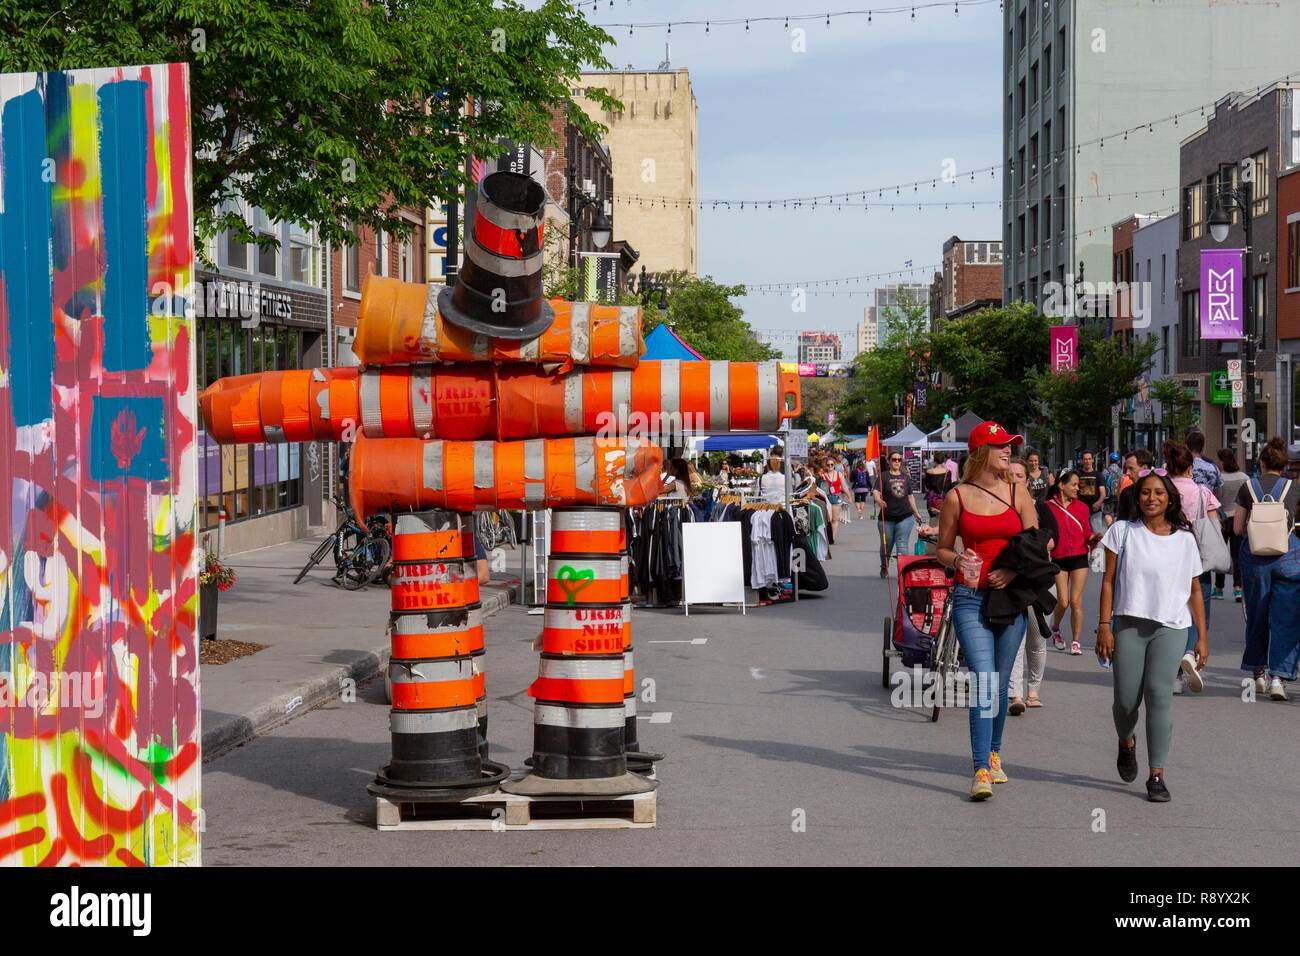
(495, 529)
(361, 554)
(370, 560)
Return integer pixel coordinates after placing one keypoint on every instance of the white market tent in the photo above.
(909, 437)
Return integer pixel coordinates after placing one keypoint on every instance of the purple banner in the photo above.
(1065, 348)
(1222, 302)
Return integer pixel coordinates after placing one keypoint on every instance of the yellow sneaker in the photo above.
(981, 787)
(995, 768)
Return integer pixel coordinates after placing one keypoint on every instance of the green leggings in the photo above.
(1146, 663)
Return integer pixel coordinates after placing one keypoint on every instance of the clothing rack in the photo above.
(762, 506)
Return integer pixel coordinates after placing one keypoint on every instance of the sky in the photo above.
(863, 106)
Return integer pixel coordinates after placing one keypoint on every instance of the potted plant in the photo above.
(213, 579)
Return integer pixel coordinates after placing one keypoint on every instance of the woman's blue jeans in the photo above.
(897, 535)
(1271, 589)
(990, 652)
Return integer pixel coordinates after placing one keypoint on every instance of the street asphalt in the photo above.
(783, 748)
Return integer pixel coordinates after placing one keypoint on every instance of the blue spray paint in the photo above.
(123, 157)
(25, 259)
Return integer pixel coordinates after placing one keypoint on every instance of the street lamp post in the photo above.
(648, 286)
(1220, 222)
(600, 229)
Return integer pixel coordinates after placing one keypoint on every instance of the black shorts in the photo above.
(860, 495)
(1076, 562)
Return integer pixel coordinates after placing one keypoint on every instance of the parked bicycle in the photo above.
(362, 553)
(495, 529)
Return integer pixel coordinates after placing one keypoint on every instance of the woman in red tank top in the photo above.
(985, 510)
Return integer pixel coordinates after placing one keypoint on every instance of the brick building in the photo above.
(1264, 128)
(971, 278)
(375, 253)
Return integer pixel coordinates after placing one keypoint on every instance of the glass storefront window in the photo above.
(246, 480)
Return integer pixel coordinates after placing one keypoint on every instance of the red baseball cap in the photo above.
(991, 433)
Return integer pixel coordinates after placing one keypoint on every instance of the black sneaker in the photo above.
(884, 572)
(1127, 762)
(1157, 792)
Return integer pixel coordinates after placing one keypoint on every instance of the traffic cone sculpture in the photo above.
(438, 719)
(484, 395)
(580, 716)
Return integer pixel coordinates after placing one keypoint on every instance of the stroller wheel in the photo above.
(884, 653)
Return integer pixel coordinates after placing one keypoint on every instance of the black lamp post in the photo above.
(600, 229)
(1220, 222)
(647, 286)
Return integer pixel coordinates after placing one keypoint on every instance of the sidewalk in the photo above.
(316, 636)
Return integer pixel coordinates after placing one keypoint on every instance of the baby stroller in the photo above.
(920, 632)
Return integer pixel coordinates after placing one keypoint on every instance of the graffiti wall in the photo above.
(99, 711)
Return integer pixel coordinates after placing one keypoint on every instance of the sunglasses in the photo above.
(1153, 471)
(895, 459)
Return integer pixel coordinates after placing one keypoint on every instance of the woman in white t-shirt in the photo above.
(1150, 595)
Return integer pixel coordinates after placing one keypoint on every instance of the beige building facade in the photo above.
(653, 143)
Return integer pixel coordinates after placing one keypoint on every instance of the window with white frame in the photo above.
(382, 244)
(304, 256)
(352, 262)
(406, 260)
(236, 250)
(268, 256)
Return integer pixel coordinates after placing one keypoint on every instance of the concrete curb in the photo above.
(314, 691)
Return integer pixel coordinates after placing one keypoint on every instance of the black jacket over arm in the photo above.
(1026, 555)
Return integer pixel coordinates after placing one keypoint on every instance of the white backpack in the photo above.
(1269, 525)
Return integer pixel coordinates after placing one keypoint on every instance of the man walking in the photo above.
(1204, 471)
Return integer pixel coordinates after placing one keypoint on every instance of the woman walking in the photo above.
(936, 481)
(861, 487)
(1039, 479)
(1071, 556)
(1150, 595)
(1271, 582)
(1196, 501)
(1031, 659)
(986, 511)
(1234, 479)
(833, 486)
(898, 513)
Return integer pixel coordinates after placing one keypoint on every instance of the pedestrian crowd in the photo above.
(1164, 541)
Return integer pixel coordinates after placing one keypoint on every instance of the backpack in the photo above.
(1269, 525)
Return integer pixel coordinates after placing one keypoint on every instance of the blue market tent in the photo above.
(735, 442)
(663, 343)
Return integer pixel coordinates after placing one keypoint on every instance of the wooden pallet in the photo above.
(507, 811)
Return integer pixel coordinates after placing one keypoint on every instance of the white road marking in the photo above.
(658, 717)
(757, 674)
(698, 640)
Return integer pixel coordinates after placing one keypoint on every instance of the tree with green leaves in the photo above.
(330, 112)
(885, 377)
(1177, 410)
(1108, 373)
(817, 397)
(701, 312)
(987, 358)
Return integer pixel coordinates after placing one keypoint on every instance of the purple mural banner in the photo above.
(1065, 348)
(1222, 299)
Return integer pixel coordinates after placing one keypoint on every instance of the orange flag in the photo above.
(873, 443)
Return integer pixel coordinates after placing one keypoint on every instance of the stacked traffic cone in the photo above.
(439, 717)
(580, 718)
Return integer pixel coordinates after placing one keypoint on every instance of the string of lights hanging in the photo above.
(784, 288)
(653, 201)
(894, 274)
(796, 18)
(953, 179)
